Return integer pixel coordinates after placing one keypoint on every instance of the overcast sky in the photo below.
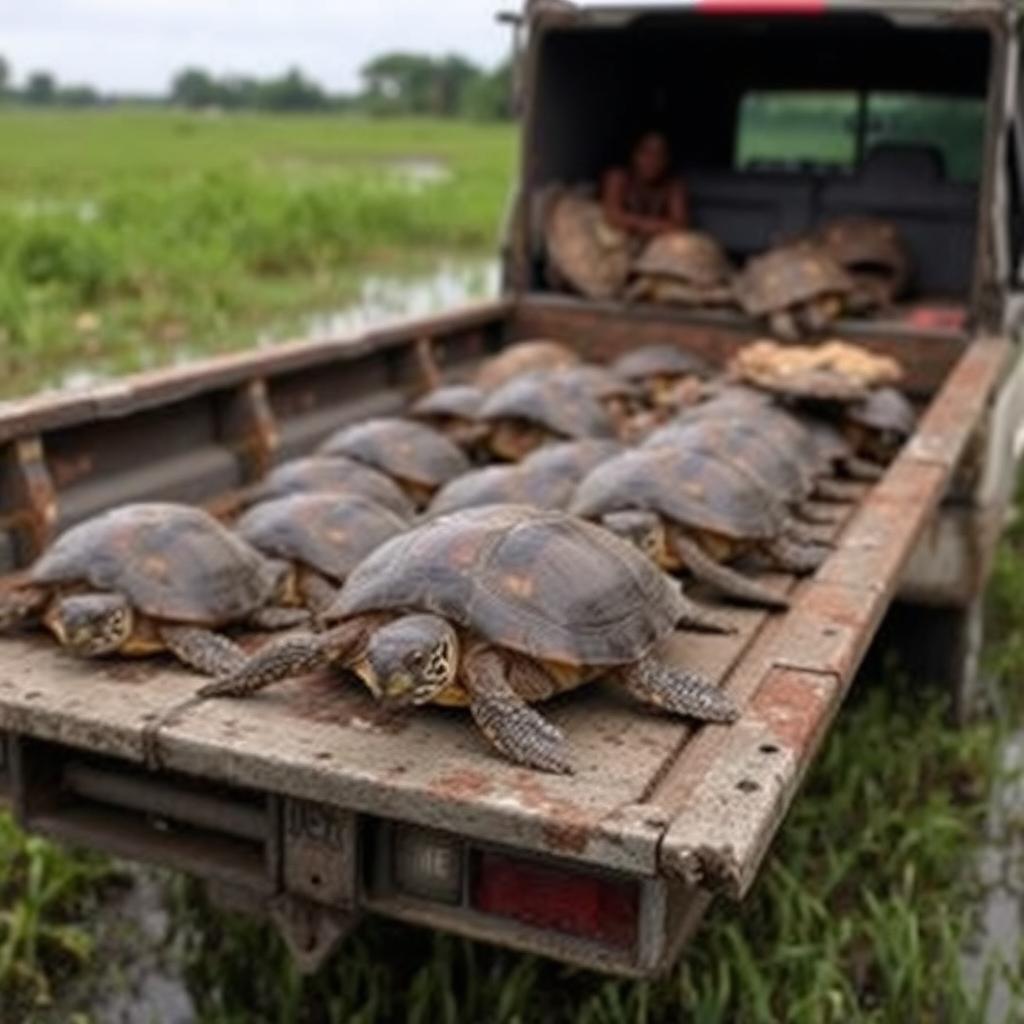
(137, 45)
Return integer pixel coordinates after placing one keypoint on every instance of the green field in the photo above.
(134, 238)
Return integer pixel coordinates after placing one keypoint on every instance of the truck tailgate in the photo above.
(649, 796)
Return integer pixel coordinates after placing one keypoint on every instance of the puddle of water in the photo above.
(420, 173)
(384, 298)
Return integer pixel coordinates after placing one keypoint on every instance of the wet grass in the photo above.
(133, 239)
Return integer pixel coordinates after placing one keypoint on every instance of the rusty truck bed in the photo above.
(649, 796)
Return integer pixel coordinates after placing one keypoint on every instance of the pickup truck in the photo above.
(307, 803)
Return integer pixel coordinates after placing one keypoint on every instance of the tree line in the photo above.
(391, 84)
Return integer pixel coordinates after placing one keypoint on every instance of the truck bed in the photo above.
(651, 797)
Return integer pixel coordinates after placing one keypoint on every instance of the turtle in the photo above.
(875, 255)
(524, 357)
(452, 410)
(153, 576)
(545, 479)
(493, 609)
(324, 536)
(535, 409)
(686, 268)
(878, 426)
(817, 445)
(686, 509)
(419, 459)
(777, 468)
(668, 375)
(333, 475)
(585, 253)
(797, 289)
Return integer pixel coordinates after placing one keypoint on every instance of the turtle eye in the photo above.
(415, 659)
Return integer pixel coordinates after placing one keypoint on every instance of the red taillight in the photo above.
(761, 6)
(586, 905)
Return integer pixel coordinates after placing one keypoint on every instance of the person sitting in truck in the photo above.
(643, 198)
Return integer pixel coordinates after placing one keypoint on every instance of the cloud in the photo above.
(137, 45)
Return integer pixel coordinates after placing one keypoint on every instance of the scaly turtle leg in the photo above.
(22, 606)
(830, 489)
(289, 656)
(784, 325)
(804, 533)
(817, 516)
(677, 690)
(724, 579)
(210, 653)
(791, 556)
(703, 620)
(275, 618)
(862, 469)
(317, 592)
(504, 717)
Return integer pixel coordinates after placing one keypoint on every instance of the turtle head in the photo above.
(91, 625)
(411, 660)
(644, 530)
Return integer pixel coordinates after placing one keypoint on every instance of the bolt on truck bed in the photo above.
(310, 802)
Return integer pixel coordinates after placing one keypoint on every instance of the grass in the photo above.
(133, 238)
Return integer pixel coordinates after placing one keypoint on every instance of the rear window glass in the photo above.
(953, 125)
(800, 131)
(797, 130)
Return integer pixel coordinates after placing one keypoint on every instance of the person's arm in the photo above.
(613, 202)
(678, 207)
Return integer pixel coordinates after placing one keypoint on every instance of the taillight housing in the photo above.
(445, 875)
(581, 903)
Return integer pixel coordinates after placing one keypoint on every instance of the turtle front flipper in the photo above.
(275, 618)
(792, 556)
(511, 725)
(862, 469)
(724, 579)
(210, 653)
(21, 606)
(677, 690)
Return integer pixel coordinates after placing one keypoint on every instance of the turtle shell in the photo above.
(539, 582)
(745, 445)
(560, 402)
(461, 401)
(170, 561)
(869, 248)
(600, 381)
(789, 276)
(648, 361)
(885, 409)
(524, 357)
(402, 449)
(688, 488)
(592, 256)
(545, 479)
(334, 475)
(689, 256)
(330, 533)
